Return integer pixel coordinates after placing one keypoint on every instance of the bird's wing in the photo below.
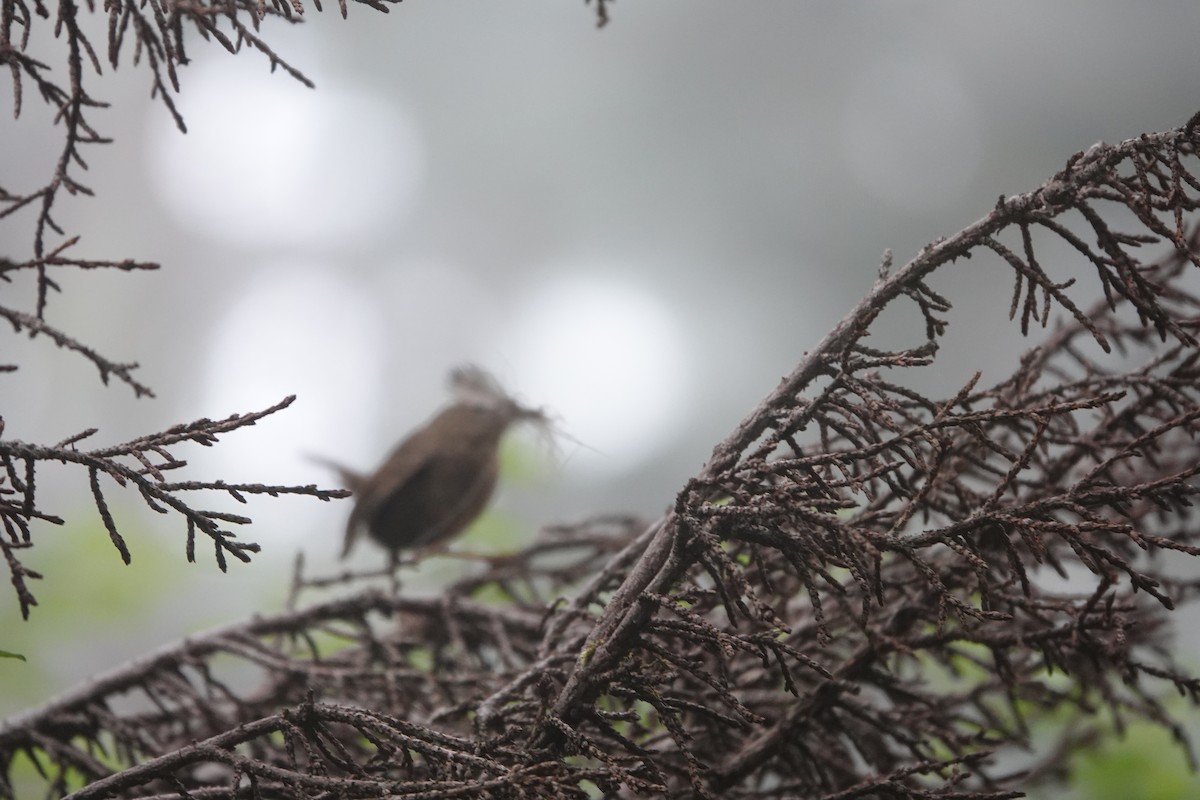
(437, 502)
(373, 491)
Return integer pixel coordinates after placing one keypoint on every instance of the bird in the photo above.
(438, 480)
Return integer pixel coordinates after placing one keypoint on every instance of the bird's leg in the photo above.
(395, 563)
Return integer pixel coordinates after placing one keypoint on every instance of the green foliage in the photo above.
(524, 459)
(1144, 764)
(89, 602)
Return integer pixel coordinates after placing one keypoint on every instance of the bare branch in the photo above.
(139, 463)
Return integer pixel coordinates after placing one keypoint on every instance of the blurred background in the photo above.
(642, 228)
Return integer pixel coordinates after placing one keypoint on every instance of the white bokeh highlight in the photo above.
(295, 328)
(610, 361)
(269, 162)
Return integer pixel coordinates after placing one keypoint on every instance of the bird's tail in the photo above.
(351, 479)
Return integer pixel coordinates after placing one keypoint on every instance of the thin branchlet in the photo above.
(142, 465)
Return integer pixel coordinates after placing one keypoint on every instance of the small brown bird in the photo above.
(439, 479)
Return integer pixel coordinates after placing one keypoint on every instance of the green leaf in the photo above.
(6, 654)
